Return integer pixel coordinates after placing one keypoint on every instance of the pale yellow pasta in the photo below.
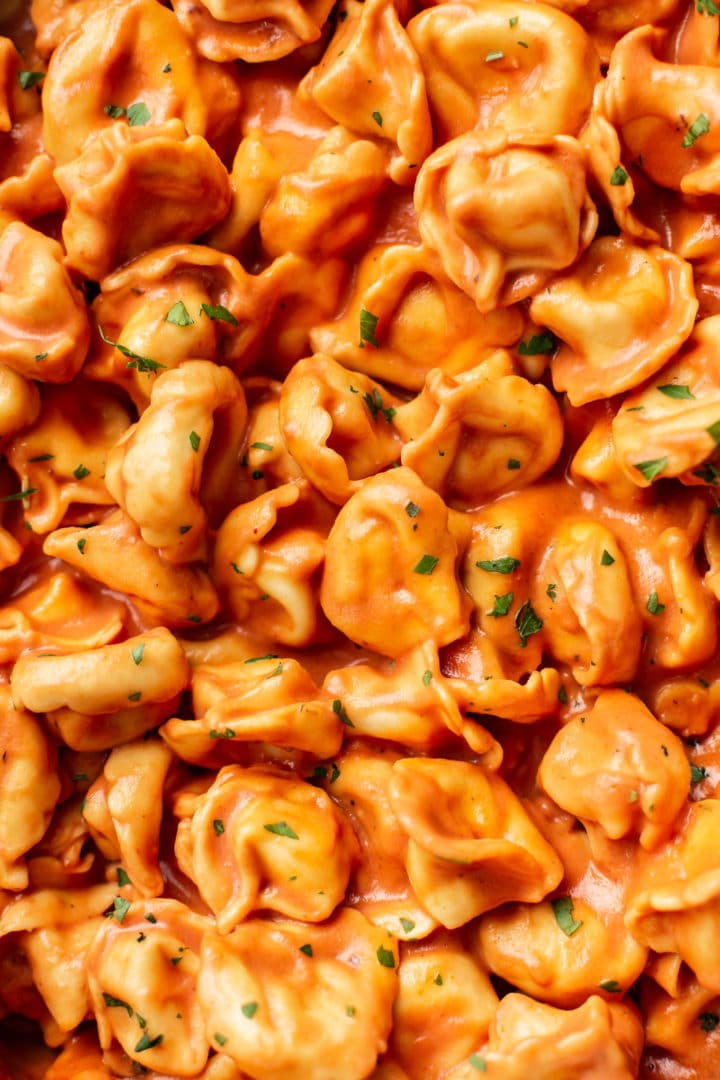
(257, 840)
(274, 1004)
(471, 845)
(504, 211)
(147, 668)
(155, 470)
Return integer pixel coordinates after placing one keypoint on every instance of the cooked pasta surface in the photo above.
(359, 539)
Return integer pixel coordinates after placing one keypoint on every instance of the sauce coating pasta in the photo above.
(359, 539)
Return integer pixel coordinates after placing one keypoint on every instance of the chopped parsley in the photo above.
(477, 1062)
(606, 558)
(219, 1039)
(538, 344)
(495, 55)
(249, 1009)
(368, 325)
(612, 986)
(706, 7)
(113, 111)
(179, 315)
(426, 564)
(385, 957)
(339, 709)
(618, 177)
(412, 510)
(146, 1043)
(307, 949)
(142, 363)
(281, 828)
(377, 117)
(513, 463)
(138, 114)
(502, 605)
(122, 877)
(120, 908)
(698, 773)
(700, 126)
(505, 565)
(218, 827)
(427, 678)
(653, 604)
(551, 591)
(675, 390)
(81, 545)
(137, 653)
(217, 311)
(116, 1003)
(651, 469)
(261, 446)
(407, 924)
(194, 441)
(28, 79)
(81, 472)
(563, 911)
(527, 623)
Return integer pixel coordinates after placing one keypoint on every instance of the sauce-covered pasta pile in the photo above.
(359, 539)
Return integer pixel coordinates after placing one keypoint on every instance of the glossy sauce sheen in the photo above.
(359, 540)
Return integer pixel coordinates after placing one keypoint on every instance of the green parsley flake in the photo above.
(137, 653)
(505, 565)
(122, 877)
(606, 558)
(502, 605)
(563, 911)
(261, 446)
(28, 79)
(653, 605)
(143, 364)
(438, 980)
(339, 709)
(249, 1009)
(368, 325)
(477, 1062)
(219, 1039)
(114, 111)
(81, 472)
(135, 696)
(651, 469)
(412, 510)
(116, 1003)
(426, 564)
(350, 1010)
(700, 126)
(527, 623)
(307, 949)
(618, 177)
(146, 1043)
(675, 390)
(194, 441)
(611, 986)
(386, 957)
(538, 344)
(217, 311)
(698, 773)
(179, 315)
(495, 55)
(281, 828)
(706, 7)
(513, 463)
(377, 118)
(427, 678)
(218, 826)
(81, 544)
(714, 432)
(407, 924)
(138, 114)
(120, 908)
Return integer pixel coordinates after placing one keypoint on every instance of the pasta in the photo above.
(359, 539)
